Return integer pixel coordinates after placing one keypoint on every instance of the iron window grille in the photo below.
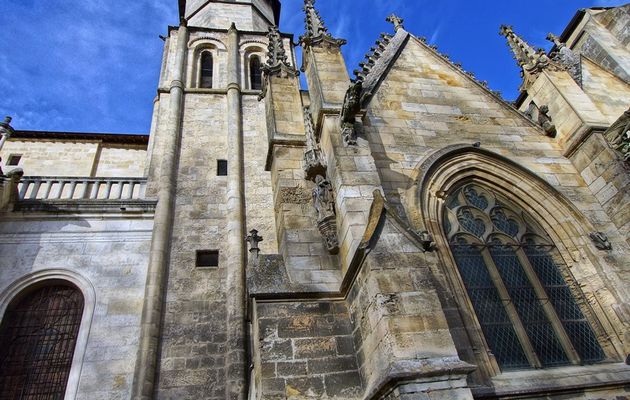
(38, 336)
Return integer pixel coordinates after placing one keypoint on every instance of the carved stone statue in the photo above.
(351, 106)
(426, 239)
(323, 198)
(600, 240)
(324, 202)
(544, 119)
(618, 135)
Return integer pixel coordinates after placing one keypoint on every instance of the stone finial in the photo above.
(315, 29)
(5, 127)
(545, 121)
(600, 240)
(277, 61)
(253, 239)
(314, 164)
(276, 55)
(531, 61)
(555, 40)
(618, 136)
(397, 21)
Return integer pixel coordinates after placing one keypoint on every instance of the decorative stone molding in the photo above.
(350, 109)
(295, 195)
(567, 58)
(277, 61)
(618, 135)
(314, 163)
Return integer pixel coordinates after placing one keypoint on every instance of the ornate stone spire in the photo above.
(530, 60)
(313, 161)
(277, 60)
(276, 55)
(315, 29)
(397, 21)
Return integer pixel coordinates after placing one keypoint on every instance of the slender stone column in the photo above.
(144, 382)
(236, 262)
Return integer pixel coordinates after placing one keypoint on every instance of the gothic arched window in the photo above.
(510, 268)
(205, 80)
(255, 73)
(38, 335)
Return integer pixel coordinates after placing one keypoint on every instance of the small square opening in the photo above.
(14, 159)
(207, 258)
(222, 168)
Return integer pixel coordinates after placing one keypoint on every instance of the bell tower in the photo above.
(247, 15)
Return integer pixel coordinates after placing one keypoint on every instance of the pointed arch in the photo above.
(448, 170)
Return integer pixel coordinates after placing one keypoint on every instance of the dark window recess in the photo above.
(222, 169)
(206, 70)
(207, 258)
(255, 73)
(38, 336)
(14, 160)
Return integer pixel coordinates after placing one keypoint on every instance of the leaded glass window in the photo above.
(255, 73)
(510, 268)
(38, 336)
(206, 70)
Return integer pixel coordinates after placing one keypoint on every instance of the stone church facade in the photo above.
(401, 233)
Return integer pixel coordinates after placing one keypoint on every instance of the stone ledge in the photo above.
(556, 381)
(86, 206)
(402, 372)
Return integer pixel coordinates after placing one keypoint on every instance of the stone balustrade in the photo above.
(80, 188)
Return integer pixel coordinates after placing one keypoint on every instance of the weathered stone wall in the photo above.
(121, 160)
(220, 15)
(610, 94)
(260, 209)
(194, 333)
(305, 256)
(425, 104)
(608, 180)
(605, 40)
(306, 351)
(327, 76)
(111, 254)
(84, 158)
(400, 330)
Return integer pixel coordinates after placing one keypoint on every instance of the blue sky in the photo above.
(92, 65)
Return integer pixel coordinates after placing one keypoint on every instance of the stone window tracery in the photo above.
(510, 269)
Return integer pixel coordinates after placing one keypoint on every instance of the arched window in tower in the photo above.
(207, 62)
(38, 335)
(255, 73)
(510, 268)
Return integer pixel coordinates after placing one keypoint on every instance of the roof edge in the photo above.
(127, 138)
